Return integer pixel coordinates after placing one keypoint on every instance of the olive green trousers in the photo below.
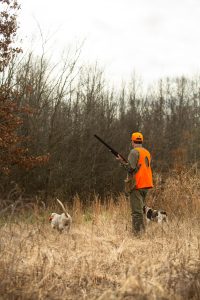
(137, 201)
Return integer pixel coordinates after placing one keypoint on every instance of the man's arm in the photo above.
(133, 161)
(131, 166)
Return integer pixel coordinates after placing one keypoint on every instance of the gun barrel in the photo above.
(109, 147)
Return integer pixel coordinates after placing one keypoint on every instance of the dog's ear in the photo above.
(149, 213)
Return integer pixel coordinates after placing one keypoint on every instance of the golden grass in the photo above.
(100, 258)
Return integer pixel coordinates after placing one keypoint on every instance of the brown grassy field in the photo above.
(100, 258)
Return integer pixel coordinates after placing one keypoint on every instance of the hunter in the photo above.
(139, 180)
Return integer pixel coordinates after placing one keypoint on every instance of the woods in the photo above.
(68, 114)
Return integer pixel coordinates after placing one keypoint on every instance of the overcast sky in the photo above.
(152, 38)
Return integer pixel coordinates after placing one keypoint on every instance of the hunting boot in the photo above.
(137, 224)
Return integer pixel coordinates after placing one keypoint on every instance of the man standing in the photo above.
(139, 180)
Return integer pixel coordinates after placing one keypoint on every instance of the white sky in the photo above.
(152, 38)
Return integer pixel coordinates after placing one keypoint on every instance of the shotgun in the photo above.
(113, 151)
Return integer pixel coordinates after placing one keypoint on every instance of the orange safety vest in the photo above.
(143, 177)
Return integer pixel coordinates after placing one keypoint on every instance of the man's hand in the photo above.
(120, 159)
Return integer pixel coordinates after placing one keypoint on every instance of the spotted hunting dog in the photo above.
(158, 216)
(62, 221)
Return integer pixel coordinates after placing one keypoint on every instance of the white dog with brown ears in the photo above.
(61, 221)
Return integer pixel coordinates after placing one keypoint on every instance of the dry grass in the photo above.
(100, 258)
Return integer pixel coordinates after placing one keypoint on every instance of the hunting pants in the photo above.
(137, 200)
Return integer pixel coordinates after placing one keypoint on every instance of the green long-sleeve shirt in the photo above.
(131, 166)
(133, 159)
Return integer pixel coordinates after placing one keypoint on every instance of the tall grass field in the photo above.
(100, 258)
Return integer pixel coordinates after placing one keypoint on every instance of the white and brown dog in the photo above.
(158, 216)
(61, 221)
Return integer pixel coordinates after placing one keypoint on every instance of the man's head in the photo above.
(137, 138)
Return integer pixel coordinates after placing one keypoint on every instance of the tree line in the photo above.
(67, 110)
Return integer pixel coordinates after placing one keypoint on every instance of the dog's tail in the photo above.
(63, 208)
